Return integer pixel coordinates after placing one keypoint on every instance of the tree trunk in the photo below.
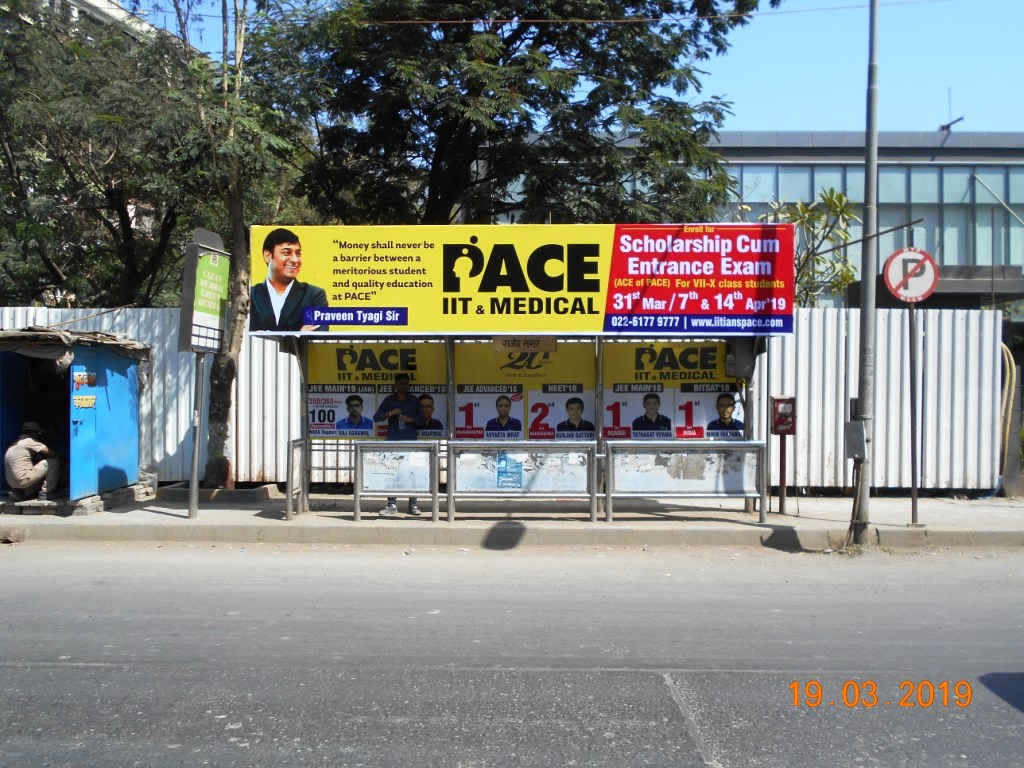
(220, 471)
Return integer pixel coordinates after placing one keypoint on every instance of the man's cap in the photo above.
(31, 426)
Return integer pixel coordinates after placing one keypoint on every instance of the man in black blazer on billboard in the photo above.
(276, 304)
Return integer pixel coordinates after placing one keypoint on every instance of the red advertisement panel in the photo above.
(701, 279)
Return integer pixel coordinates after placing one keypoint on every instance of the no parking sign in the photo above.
(911, 274)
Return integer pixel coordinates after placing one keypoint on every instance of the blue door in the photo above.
(82, 443)
(117, 420)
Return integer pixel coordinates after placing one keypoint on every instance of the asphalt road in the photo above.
(179, 655)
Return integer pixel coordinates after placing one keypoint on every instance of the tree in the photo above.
(112, 147)
(242, 165)
(821, 227)
(97, 177)
(428, 112)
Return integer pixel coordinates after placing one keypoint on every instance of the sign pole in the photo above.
(201, 327)
(782, 474)
(913, 415)
(911, 275)
(197, 418)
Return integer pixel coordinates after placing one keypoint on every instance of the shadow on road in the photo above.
(784, 538)
(1009, 686)
(507, 534)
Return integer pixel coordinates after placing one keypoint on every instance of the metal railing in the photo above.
(698, 469)
(545, 469)
(540, 469)
(392, 468)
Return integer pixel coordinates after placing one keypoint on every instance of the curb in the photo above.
(266, 524)
(925, 538)
(504, 535)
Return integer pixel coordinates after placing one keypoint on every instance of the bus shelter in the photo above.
(562, 362)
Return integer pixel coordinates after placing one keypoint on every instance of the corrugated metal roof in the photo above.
(50, 335)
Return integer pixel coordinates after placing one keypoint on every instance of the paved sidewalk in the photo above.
(810, 523)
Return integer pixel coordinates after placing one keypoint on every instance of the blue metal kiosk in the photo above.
(83, 388)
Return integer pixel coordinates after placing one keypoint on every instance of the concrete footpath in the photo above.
(809, 523)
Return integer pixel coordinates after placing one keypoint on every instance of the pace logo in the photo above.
(553, 268)
(701, 357)
(367, 359)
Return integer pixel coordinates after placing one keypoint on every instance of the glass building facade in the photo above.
(967, 189)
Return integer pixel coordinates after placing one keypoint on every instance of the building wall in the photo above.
(957, 183)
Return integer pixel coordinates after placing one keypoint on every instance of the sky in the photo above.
(804, 66)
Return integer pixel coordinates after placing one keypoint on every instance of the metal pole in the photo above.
(601, 471)
(302, 355)
(435, 479)
(289, 504)
(766, 399)
(868, 278)
(609, 482)
(592, 481)
(197, 420)
(748, 430)
(782, 474)
(914, 459)
(766, 469)
(449, 356)
(763, 511)
(357, 484)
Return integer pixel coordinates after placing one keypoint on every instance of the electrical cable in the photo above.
(1006, 405)
(142, 12)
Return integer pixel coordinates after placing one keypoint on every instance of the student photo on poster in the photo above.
(575, 426)
(355, 424)
(504, 425)
(652, 423)
(725, 425)
(426, 424)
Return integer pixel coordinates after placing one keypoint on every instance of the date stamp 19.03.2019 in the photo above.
(867, 694)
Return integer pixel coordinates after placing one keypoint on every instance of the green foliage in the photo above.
(428, 112)
(822, 227)
(245, 169)
(100, 183)
(113, 149)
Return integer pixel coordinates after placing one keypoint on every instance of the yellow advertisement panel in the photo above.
(517, 395)
(650, 390)
(348, 382)
(597, 279)
(666, 391)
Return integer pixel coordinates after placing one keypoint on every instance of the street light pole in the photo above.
(868, 279)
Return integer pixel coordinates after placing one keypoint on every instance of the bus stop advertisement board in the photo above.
(352, 288)
(625, 280)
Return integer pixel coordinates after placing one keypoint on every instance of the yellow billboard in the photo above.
(597, 279)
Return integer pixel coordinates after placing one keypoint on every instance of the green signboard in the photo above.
(204, 300)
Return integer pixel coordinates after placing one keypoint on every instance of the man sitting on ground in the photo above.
(31, 467)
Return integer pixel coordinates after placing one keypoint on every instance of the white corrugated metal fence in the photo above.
(959, 366)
